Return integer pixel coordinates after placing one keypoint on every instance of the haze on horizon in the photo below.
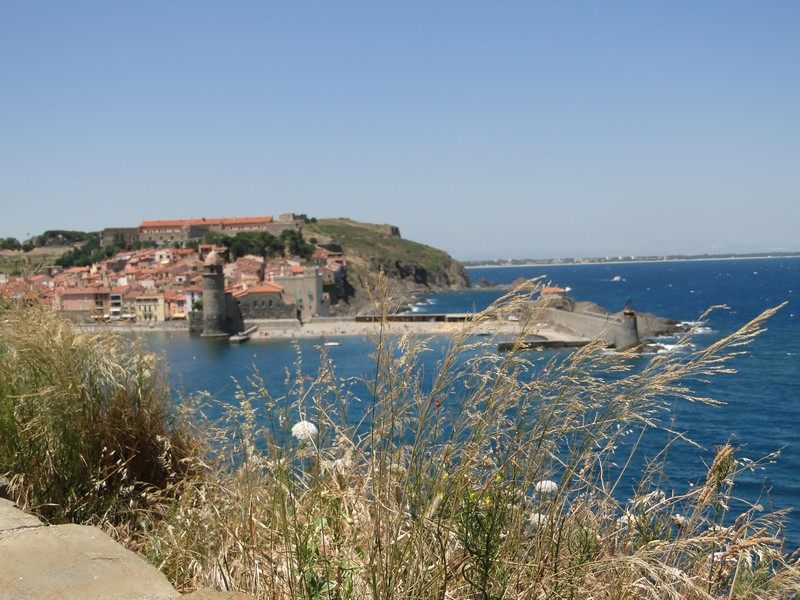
(490, 130)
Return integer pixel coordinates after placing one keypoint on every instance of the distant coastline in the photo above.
(563, 262)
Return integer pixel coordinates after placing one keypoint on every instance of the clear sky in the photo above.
(488, 129)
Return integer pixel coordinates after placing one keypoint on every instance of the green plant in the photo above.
(87, 427)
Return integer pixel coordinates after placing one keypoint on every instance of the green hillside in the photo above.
(410, 266)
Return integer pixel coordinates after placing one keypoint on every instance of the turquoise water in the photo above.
(762, 411)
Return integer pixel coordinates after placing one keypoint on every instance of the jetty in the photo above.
(540, 345)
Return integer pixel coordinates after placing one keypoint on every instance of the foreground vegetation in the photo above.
(87, 425)
(495, 477)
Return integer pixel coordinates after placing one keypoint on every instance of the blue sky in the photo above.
(488, 129)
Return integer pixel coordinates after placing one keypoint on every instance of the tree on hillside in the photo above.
(295, 245)
(10, 243)
(88, 253)
(262, 243)
(57, 237)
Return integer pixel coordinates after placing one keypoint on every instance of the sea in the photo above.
(761, 410)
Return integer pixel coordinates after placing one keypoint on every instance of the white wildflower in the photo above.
(680, 520)
(626, 519)
(546, 486)
(676, 573)
(304, 432)
(538, 520)
(723, 557)
(341, 464)
(653, 499)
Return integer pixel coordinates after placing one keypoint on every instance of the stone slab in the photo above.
(13, 518)
(75, 561)
(209, 594)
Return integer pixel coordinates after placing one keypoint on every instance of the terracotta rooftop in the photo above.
(266, 287)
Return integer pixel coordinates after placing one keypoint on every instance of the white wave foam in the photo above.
(696, 326)
(670, 348)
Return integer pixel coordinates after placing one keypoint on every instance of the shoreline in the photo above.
(625, 262)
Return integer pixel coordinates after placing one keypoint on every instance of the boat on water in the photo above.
(329, 344)
(616, 278)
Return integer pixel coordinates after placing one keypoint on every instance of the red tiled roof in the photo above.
(264, 288)
(83, 291)
(245, 220)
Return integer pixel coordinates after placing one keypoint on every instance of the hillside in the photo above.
(410, 266)
(15, 262)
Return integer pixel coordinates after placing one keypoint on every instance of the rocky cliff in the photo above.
(410, 267)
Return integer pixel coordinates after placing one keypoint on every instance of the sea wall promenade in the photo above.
(329, 327)
(555, 326)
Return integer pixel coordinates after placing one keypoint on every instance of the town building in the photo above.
(180, 231)
(302, 286)
(265, 301)
(166, 283)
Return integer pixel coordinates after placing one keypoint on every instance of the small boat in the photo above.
(329, 344)
(616, 278)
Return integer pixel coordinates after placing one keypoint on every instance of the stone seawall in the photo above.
(617, 331)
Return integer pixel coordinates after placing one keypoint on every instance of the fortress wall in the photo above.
(608, 328)
(584, 324)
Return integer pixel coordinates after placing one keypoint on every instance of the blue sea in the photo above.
(761, 414)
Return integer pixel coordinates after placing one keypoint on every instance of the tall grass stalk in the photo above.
(88, 430)
(495, 476)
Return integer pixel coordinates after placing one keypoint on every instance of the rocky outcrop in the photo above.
(371, 249)
(70, 561)
(648, 324)
(76, 561)
(417, 277)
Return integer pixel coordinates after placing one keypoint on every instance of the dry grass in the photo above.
(87, 426)
(496, 477)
